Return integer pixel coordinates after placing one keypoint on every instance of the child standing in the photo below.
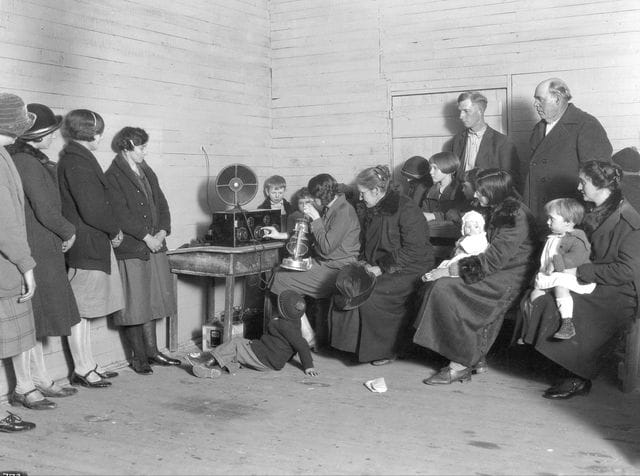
(274, 188)
(282, 341)
(445, 198)
(565, 249)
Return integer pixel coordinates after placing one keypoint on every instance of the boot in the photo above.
(139, 362)
(154, 356)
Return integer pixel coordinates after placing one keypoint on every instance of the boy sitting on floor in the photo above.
(282, 341)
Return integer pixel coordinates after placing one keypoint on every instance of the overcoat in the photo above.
(577, 137)
(133, 209)
(599, 316)
(87, 205)
(54, 305)
(395, 237)
(496, 151)
(460, 317)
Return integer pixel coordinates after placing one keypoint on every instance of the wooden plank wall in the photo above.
(193, 73)
(336, 64)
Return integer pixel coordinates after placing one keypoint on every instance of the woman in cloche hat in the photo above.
(49, 235)
(17, 282)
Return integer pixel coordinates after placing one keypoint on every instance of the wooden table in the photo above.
(221, 262)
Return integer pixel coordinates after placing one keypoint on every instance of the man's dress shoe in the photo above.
(569, 388)
(161, 359)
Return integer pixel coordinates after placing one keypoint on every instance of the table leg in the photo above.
(229, 284)
(173, 319)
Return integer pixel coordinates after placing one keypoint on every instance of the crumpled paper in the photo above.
(377, 385)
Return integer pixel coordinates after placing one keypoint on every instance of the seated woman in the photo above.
(613, 227)
(445, 198)
(461, 315)
(396, 248)
(336, 243)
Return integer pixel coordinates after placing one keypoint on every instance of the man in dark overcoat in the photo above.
(563, 139)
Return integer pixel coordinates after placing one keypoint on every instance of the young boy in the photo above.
(274, 188)
(274, 349)
(566, 248)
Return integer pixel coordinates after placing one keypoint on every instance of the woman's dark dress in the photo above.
(599, 316)
(460, 317)
(54, 306)
(395, 237)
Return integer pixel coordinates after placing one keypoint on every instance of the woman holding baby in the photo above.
(464, 304)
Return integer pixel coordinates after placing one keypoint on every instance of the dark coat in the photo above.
(574, 249)
(54, 305)
(87, 205)
(460, 317)
(446, 206)
(133, 208)
(555, 159)
(599, 316)
(395, 237)
(496, 151)
(266, 205)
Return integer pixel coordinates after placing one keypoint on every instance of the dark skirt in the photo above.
(375, 329)
(17, 329)
(148, 290)
(598, 319)
(54, 306)
(318, 282)
(461, 321)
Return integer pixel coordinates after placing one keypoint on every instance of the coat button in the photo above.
(141, 203)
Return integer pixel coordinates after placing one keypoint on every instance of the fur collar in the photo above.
(22, 147)
(389, 204)
(505, 213)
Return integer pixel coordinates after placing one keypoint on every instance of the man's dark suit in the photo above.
(495, 151)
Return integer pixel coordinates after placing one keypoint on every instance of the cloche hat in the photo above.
(628, 159)
(355, 284)
(14, 117)
(46, 122)
(416, 167)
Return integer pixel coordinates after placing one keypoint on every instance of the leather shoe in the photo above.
(569, 388)
(205, 358)
(23, 399)
(105, 373)
(56, 391)
(14, 423)
(162, 359)
(141, 367)
(380, 362)
(447, 376)
(77, 379)
(481, 367)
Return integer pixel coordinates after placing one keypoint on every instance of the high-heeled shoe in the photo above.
(77, 379)
(54, 391)
(447, 376)
(162, 359)
(105, 373)
(16, 399)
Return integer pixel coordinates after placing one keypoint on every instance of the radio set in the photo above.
(241, 227)
(237, 185)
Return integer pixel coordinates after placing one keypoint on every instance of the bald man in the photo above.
(565, 138)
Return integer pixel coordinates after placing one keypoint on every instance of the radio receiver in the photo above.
(236, 185)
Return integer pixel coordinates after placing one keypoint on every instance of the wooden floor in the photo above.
(285, 423)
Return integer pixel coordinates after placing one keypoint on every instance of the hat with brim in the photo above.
(355, 285)
(291, 305)
(46, 122)
(15, 120)
(628, 159)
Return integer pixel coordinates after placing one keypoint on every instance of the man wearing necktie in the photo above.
(563, 139)
(478, 145)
